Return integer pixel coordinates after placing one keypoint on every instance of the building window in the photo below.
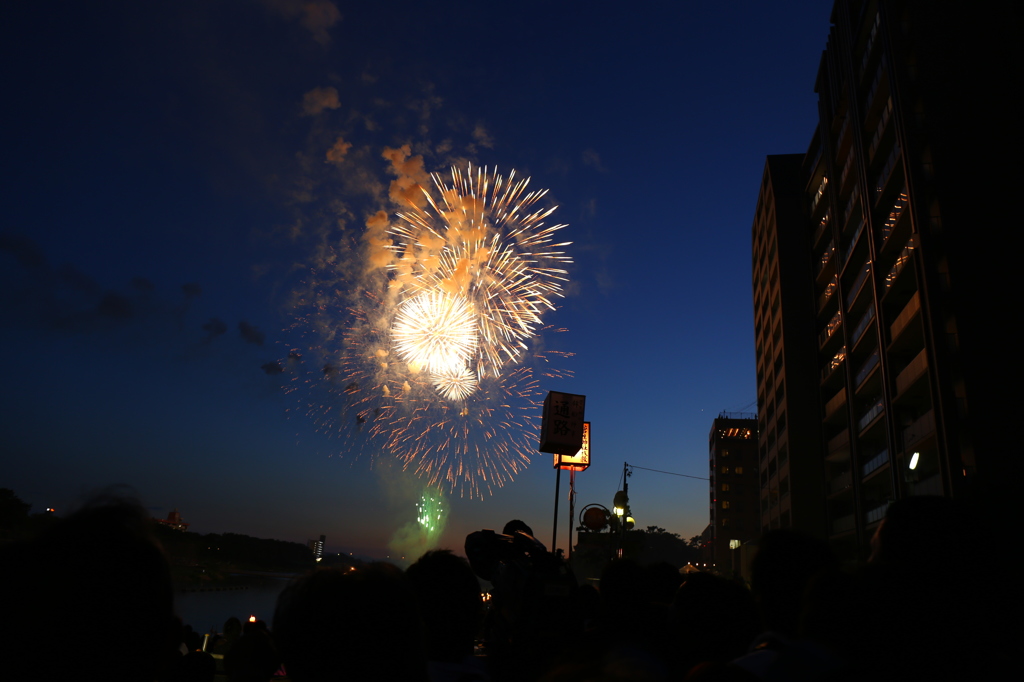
(725, 453)
(739, 470)
(725, 522)
(725, 487)
(725, 504)
(725, 470)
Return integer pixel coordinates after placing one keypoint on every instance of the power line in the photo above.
(671, 473)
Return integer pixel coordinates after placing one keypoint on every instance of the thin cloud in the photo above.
(214, 328)
(251, 334)
(337, 153)
(482, 137)
(316, 16)
(319, 99)
(272, 368)
(592, 159)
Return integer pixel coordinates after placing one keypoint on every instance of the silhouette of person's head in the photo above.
(100, 581)
(516, 526)
(449, 598)
(335, 624)
(785, 563)
(918, 532)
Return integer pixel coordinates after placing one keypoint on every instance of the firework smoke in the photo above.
(415, 538)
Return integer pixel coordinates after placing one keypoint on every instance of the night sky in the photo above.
(168, 184)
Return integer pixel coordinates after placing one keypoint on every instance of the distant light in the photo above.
(619, 511)
(319, 559)
(252, 619)
(734, 544)
(913, 460)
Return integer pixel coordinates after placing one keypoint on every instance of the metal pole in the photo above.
(572, 506)
(625, 510)
(554, 530)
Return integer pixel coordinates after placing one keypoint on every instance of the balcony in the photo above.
(841, 137)
(917, 431)
(846, 170)
(901, 262)
(822, 226)
(876, 514)
(847, 251)
(883, 175)
(851, 205)
(824, 258)
(866, 369)
(875, 83)
(875, 462)
(858, 283)
(819, 194)
(912, 372)
(883, 121)
(839, 442)
(906, 315)
(835, 402)
(834, 363)
(877, 408)
(858, 331)
(840, 483)
(901, 203)
(842, 524)
(870, 45)
(830, 289)
(830, 329)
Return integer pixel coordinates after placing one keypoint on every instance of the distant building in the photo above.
(735, 519)
(886, 273)
(317, 547)
(174, 521)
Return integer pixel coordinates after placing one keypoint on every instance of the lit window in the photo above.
(739, 470)
(725, 487)
(734, 544)
(725, 504)
(725, 470)
(725, 522)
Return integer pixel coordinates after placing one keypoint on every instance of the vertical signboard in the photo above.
(561, 431)
(579, 461)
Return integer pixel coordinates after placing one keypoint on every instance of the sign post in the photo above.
(561, 433)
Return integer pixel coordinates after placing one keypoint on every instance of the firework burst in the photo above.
(479, 241)
(434, 363)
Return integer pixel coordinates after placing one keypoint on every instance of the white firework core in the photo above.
(436, 332)
(457, 385)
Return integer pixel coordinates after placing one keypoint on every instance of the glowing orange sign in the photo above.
(579, 461)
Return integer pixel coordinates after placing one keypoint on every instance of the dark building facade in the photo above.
(789, 443)
(897, 249)
(732, 447)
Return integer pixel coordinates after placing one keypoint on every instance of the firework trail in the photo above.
(434, 362)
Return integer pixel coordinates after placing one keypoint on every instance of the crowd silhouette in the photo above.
(91, 598)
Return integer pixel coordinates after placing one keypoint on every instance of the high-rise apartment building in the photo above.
(317, 547)
(891, 253)
(789, 443)
(732, 447)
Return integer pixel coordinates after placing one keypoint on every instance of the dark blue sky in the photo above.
(149, 146)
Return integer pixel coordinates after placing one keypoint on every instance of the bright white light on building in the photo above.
(913, 460)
